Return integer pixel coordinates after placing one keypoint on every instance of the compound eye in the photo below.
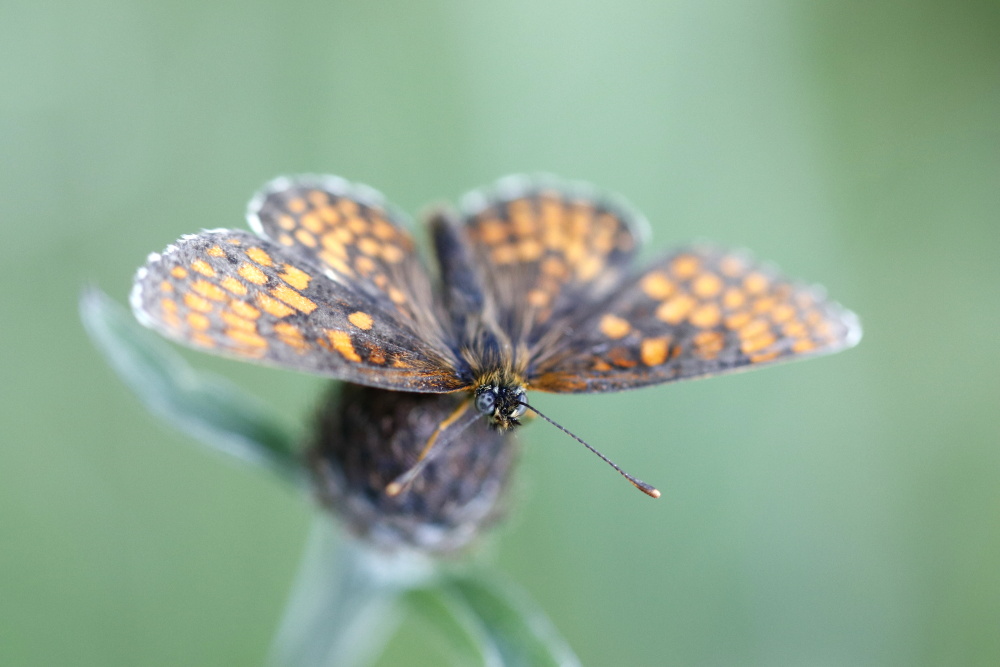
(518, 410)
(485, 401)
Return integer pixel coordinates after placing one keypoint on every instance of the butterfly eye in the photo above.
(485, 401)
(518, 410)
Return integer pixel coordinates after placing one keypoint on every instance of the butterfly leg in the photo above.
(399, 484)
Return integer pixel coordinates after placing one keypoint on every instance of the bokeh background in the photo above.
(843, 511)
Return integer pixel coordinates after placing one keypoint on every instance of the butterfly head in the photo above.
(502, 404)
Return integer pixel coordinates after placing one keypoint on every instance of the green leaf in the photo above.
(491, 622)
(207, 407)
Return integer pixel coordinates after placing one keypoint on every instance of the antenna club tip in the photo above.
(394, 488)
(654, 493)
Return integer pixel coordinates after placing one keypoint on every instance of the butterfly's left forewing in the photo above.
(697, 312)
(235, 294)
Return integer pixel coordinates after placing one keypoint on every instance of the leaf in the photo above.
(495, 617)
(207, 407)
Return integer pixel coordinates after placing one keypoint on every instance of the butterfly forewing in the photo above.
(543, 248)
(349, 231)
(233, 293)
(699, 311)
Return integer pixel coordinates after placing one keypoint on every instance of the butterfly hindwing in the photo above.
(233, 293)
(699, 311)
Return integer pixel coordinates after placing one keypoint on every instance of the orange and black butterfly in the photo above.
(535, 290)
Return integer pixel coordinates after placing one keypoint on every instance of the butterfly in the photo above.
(536, 288)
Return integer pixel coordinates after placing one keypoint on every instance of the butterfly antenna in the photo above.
(648, 489)
(434, 446)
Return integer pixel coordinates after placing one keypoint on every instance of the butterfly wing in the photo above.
(350, 232)
(543, 247)
(233, 293)
(699, 311)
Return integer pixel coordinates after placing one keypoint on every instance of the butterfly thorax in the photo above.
(501, 399)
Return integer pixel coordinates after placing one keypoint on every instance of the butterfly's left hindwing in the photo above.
(698, 312)
(239, 295)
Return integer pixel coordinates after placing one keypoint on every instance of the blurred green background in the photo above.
(843, 511)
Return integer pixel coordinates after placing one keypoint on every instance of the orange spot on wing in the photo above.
(396, 296)
(538, 298)
(733, 298)
(305, 238)
(244, 309)
(758, 343)
(195, 302)
(252, 274)
(676, 309)
(685, 266)
(318, 198)
(209, 290)
(755, 328)
(794, 329)
(782, 313)
(361, 320)
(614, 327)
(804, 345)
(708, 344)
(653, 351)
(341, 341)
(260, 256)
(369, 246)
(530, 250)
(286, 222)
(179, 272)
(383, 230)
(203, 267)
(216, 251)
(166, 287)
(273, 306)
(347, 206)
(589, 267)
(357, 225)
(737, 320)
(376, 354)
(234, 286)
(291, 335)
(755, 283)
(365, 265)
(297, 205)
(246, 338)
(295, 277)
(293, 299)
(504, 254)
(392, 253)
(198, 321)
(311, 221)
(554, 267)
(237, 322)
(657, 286)
(707, 316)
(492, 231)
(620, 357)
(707, 285)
